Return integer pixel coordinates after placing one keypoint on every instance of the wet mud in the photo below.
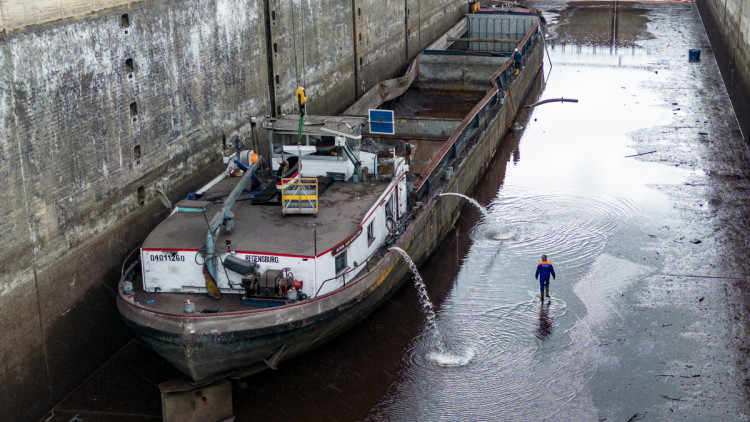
(611, 23)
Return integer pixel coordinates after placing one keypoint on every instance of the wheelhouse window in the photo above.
(340, 262)
(325, 145)
(279, 140)
(371, 232)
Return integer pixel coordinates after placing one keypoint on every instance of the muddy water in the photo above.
(626, 333)
(576, 198)
(646, 317)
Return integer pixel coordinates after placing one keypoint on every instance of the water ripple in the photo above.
(493, 335)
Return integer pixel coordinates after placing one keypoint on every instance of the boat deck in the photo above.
(260, 229)
(264, 229)
(174, 303)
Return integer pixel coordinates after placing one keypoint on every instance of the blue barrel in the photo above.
(694, 54)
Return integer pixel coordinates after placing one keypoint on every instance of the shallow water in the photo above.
(616, 337)
(645, 320)
(577, 197)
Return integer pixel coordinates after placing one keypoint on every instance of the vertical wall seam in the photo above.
(2, 15)
(294, 44)
(27, 205)
(419, 27)
(302, 28)
(269, 56)
(221, 64)
(406, 30)
(739, 27)
(355, 51)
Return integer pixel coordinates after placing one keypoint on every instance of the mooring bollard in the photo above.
(189, 306)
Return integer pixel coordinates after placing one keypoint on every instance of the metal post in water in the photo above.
(315, 260)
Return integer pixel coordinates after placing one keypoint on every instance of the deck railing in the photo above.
(373, 258)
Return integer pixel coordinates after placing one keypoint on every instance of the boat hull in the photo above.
(209, 347)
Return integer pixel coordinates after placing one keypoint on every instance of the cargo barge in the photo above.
(281, 253)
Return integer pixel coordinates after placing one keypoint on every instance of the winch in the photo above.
(272, 284)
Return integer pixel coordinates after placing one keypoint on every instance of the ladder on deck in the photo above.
(299, 196)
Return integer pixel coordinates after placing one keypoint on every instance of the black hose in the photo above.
(552, 100)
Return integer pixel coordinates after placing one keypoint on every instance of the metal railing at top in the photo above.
(459, 136)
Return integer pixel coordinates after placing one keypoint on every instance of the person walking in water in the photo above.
(543, 271)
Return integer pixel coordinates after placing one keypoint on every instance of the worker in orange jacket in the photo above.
(543, 271)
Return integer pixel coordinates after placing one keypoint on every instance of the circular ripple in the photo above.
(570, 227)
(451, 359)
(493, 333)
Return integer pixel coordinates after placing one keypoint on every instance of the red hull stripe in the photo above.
(349, 285)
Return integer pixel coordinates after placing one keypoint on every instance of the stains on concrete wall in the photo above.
(103, 102)
(389, 38)
(23, 13)
(338, 50)
(311, 47)
(727, 24)
(96, 114)
(22, 352)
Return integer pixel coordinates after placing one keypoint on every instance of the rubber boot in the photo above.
(541, 296)
(546, 290)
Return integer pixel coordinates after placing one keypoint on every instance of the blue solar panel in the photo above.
(382, 121)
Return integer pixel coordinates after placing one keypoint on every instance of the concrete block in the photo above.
(182, 402)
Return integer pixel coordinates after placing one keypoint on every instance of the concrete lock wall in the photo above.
(728, 26)
(102, 102)
(339, 49)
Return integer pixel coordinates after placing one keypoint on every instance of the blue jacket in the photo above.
(517, 57)
(544, 269)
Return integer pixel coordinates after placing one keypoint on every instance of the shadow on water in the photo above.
(542, 357)
(440, 354)
(546, 321)
(520, 360)
(493, 230)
